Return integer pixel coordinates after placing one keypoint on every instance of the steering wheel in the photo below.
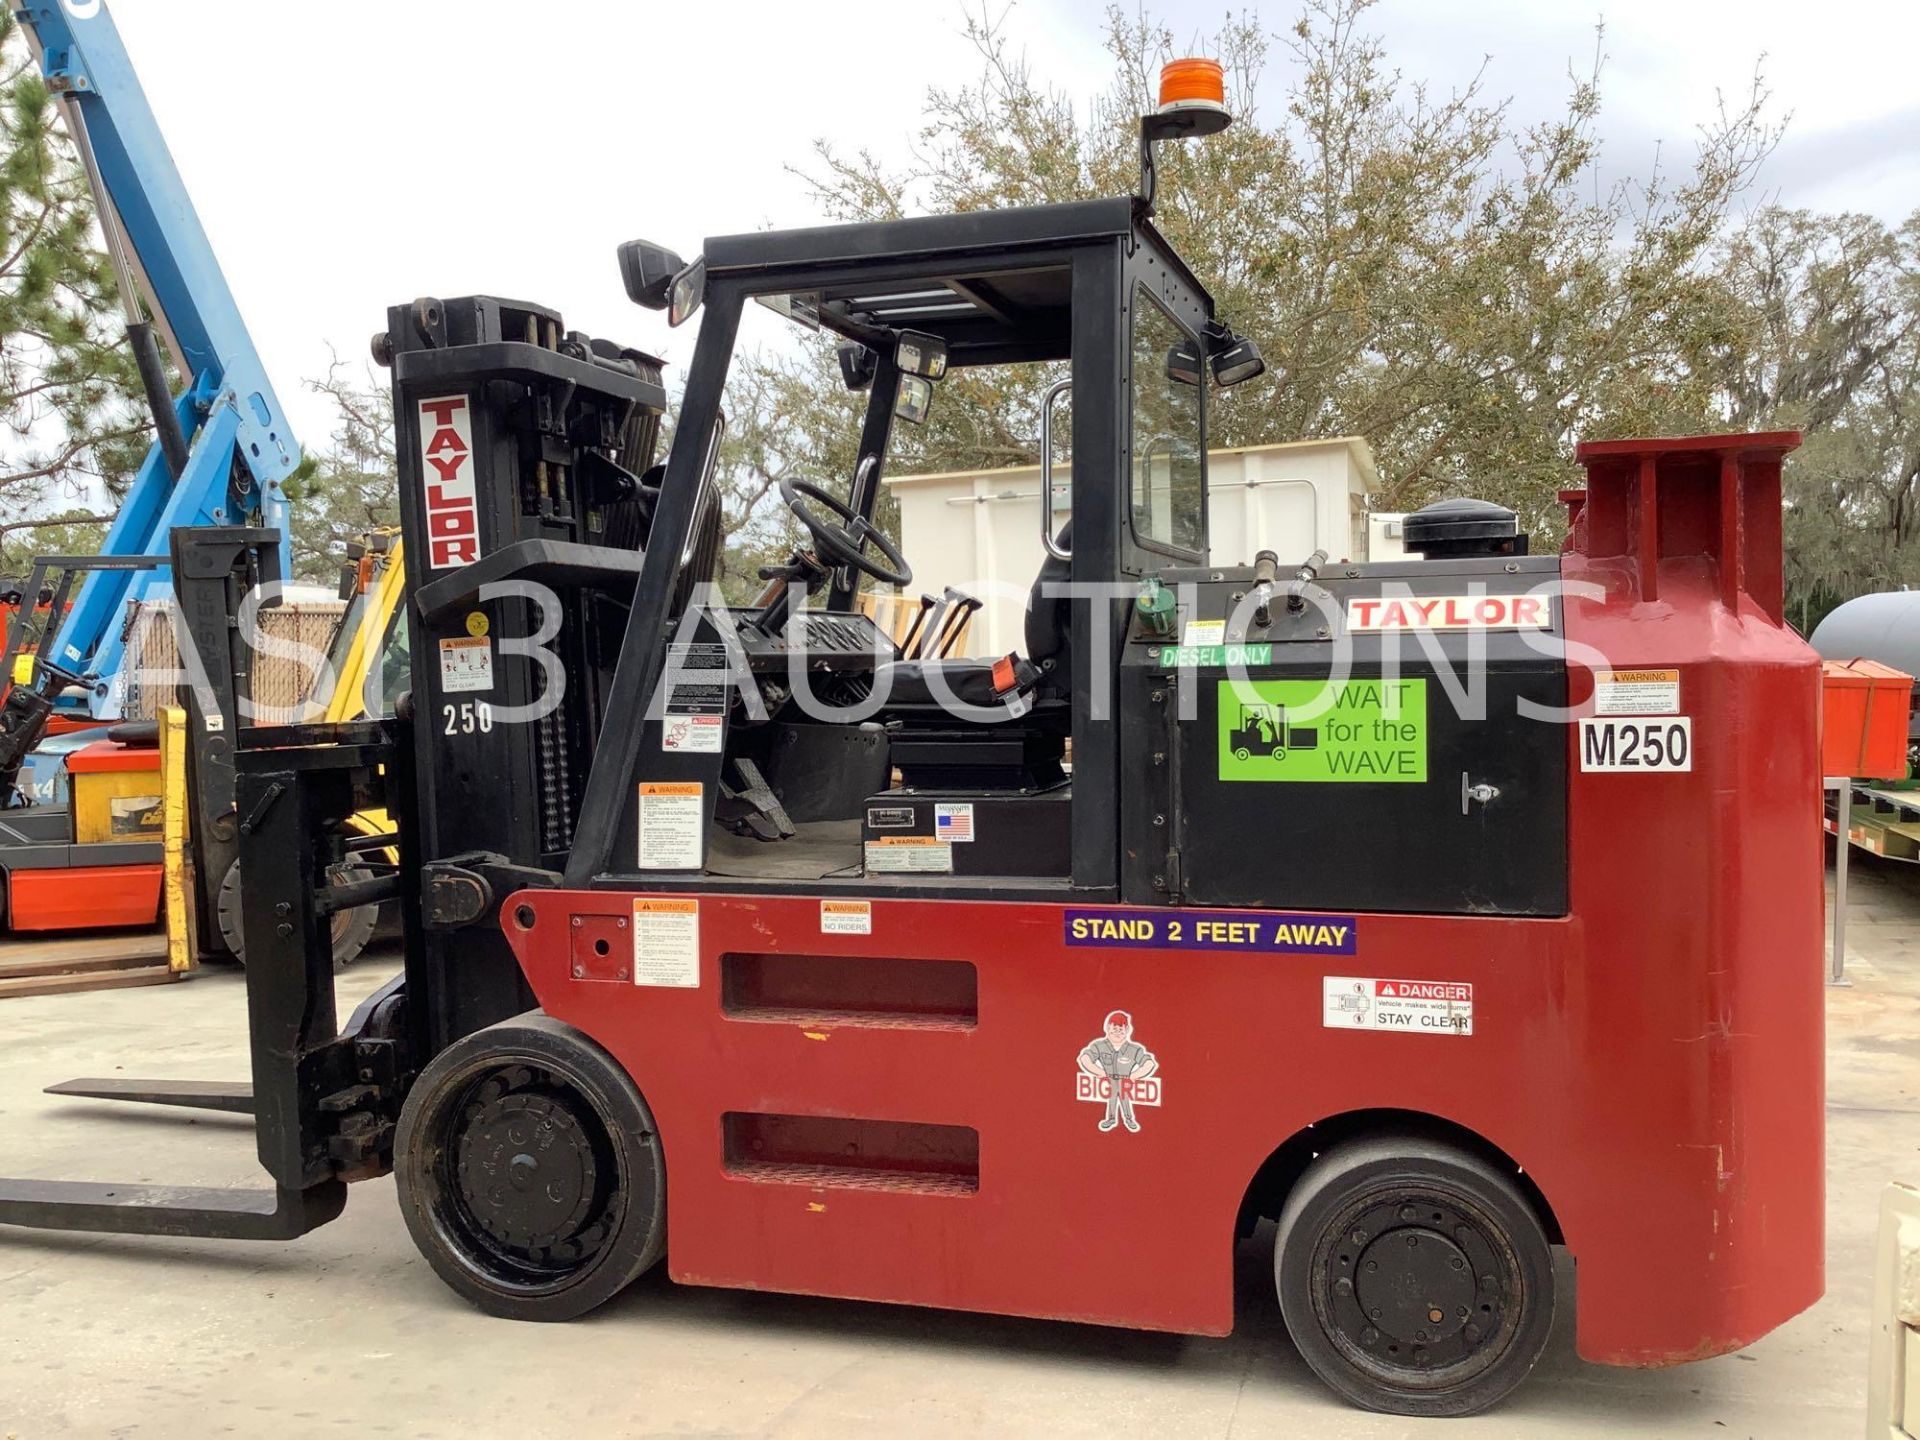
(845, 543)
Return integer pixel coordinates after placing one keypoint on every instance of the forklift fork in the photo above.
(323, 1102)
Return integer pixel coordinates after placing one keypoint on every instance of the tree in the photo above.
(1829, 343)
(348, 486)
(74, 424)
(1426, 271)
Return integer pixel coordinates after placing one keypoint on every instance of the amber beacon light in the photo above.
(1193, 83)
(1193, 102)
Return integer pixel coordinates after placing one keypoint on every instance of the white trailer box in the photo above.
(979, 531)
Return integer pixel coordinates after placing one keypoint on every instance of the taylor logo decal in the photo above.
(446, 470)
(1118, 1072)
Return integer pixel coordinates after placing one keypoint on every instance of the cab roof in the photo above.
(957, 277)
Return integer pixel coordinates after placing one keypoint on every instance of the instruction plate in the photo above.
(466, 663)
(1414, 1007)
(666, 943)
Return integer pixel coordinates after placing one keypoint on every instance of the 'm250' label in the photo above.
(1660, 743)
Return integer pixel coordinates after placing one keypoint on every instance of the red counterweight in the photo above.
(1695, 1059)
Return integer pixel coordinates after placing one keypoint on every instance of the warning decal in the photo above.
(1372, 731)
(1636, 692)
(466, 663)
(694, 734)
(666, 943)
(909, 855)
(1428, 1007)
(846, 917)
(672, 816)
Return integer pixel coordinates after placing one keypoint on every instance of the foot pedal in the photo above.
(752, 808)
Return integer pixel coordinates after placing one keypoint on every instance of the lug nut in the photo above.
(1343, 1286)
(1369, 1336)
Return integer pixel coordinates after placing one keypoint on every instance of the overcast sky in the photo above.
(347, 157)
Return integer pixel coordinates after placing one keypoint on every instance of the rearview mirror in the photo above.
(920, 354)
(915, 400)
(648, 271)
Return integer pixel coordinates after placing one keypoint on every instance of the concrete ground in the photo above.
(348, 1330)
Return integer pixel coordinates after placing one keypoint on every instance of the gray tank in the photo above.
(1884, 627)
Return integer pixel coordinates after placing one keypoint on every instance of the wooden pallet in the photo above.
(32, 965)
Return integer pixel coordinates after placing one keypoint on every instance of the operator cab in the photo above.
(816, 746)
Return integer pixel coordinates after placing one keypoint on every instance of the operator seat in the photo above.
(1044, 677)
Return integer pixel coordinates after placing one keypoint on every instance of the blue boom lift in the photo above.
(222, 447)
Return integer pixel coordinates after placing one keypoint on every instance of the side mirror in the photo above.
(648, 271)
(1238, 361)
(688, 290)
(857, 364)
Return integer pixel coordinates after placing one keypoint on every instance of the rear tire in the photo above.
(530, 1171)
(1415, 1278)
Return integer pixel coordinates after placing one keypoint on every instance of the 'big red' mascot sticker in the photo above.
(1117, 1071)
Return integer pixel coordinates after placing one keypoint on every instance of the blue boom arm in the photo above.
(240, 445)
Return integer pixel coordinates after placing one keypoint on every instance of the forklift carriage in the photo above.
(732, 943)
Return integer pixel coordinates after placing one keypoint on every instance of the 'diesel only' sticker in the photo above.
(1119, 1072)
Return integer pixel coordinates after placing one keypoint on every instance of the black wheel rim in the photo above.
(525, 1179)
(1418, 1287)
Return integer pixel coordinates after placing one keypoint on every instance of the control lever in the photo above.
(1266, 570)
(956, 622)
(913, 630)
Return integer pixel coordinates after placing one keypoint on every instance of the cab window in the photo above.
(1168, 494)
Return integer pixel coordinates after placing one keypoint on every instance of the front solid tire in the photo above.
(1415, 1278)
(530, 1171)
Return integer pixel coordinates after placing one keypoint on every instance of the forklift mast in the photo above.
(523, 452)
(223, 446)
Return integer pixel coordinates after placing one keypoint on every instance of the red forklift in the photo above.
(737, 939)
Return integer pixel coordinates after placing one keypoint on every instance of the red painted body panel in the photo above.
(87, 897)
(1653, 1060)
